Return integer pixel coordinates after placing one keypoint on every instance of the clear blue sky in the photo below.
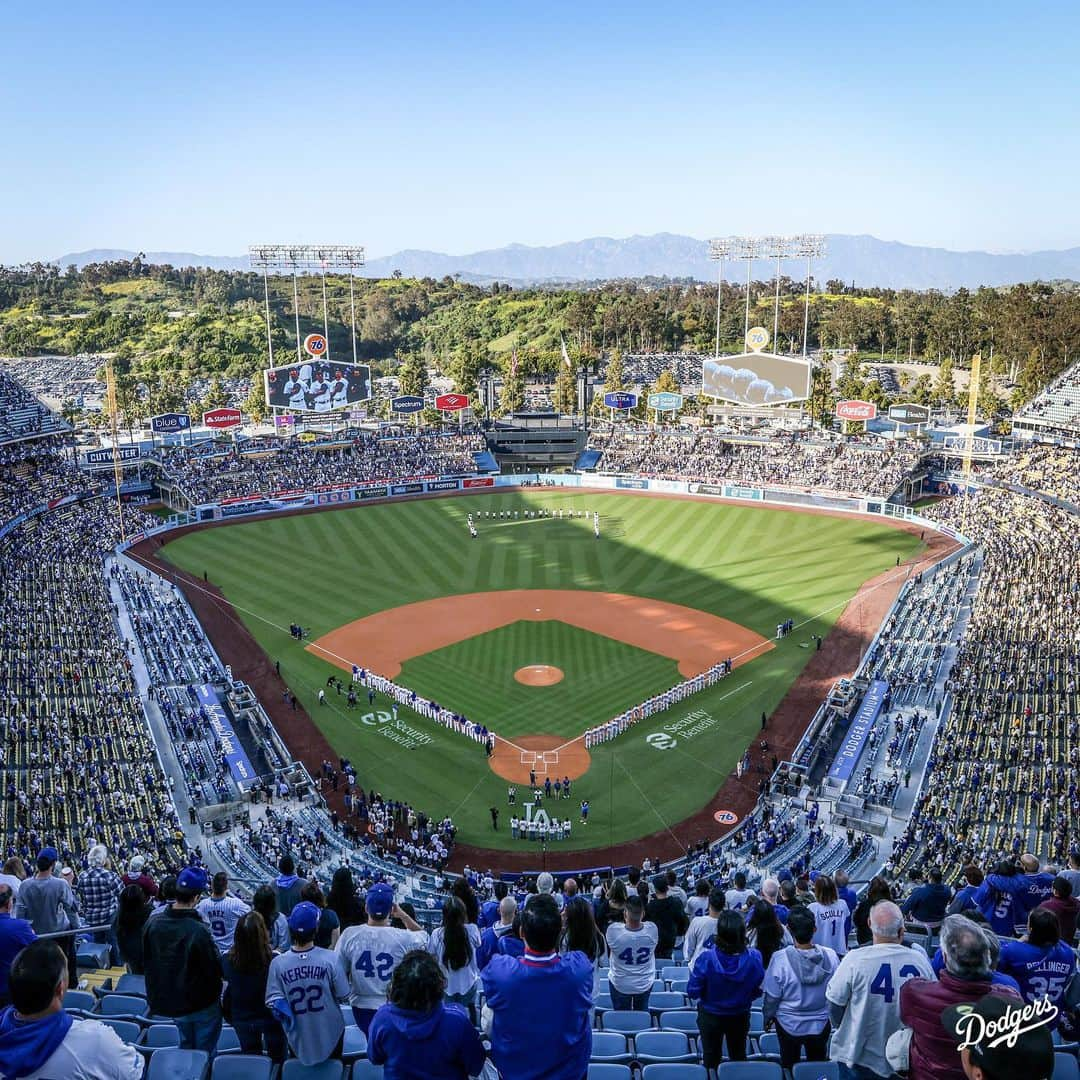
(204, 127)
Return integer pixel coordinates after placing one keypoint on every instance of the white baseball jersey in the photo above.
(370, 954)
(221, 915)
(632, 957)
(700, 936)
(832, 924)
(295, 391)
(310, 982)
(868, 982)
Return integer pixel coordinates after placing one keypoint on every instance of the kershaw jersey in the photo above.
(868, 983)
(370, 954)
(632, 957)
(306, 987)
(222, 914)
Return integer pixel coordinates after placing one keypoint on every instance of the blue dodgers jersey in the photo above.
(1041, 972)
(541, 1028)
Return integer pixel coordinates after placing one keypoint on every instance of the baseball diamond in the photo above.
(672, 586)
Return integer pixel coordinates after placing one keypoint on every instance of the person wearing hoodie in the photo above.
(417, 1035)
(1065, 906)
(795, 992)
(1041, 963)
(182, 966)
(39, 1041)
(15, 934)
(287, 885)
(724, 982)
(490, 938)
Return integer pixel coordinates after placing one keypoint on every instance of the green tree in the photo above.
(412, 374)
(666, 383)
(944, 390)
(254, 407)
(564, 396)
(512, 394)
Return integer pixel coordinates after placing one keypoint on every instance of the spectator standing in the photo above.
(724, 982)
(698, 904)
(137, 875)
(490, 938)
(738, 894)
(304, 987)
(39, 1041)
(770, 893)
(541, 1003)
(928, 903)
(878, 889)
(964, 898)
(221, 912)
(764, 932)
(246, 967)
(632, 949)
(580, 934)
(287, 885)
(326, 936)
(1041, 963)
(417, 1035)
(794, 987)
(965, 979)
(864, 1009)
(343, 901)
(99, 891)
(832, 914)
(183, 966)
(370, 952)
(845, 891)
(455, 945)
(15, 934)
(265, 903)
(701, 934)
(48, 904)
(13, 874)
(132, 913)
(667, 913)
(1065, 906)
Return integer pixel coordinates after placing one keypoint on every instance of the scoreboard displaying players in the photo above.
(317, 386)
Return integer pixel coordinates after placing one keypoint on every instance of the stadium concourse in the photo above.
(129, 755)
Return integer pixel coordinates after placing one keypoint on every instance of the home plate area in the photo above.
(545, 755)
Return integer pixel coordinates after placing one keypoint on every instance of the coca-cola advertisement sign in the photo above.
(856, 410)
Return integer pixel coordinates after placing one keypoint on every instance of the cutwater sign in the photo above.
(620, 399)
(105, 457)
(407, 403)
(666, 401)
(170, 421)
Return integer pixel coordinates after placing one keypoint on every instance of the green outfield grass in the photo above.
(752, 565)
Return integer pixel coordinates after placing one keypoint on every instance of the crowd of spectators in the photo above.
(703, 455)
(22, 416)
(1053, 471)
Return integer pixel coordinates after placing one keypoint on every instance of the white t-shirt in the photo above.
(868, 982)
(632, 957)
(697, 905)
(700, 936)
(91, 1051)
(464, 979)
(736, 898)
(12, 881)
(370, 954)
(831, 925)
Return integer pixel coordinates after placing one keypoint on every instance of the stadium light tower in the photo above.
(719, 250)
(809, 246)
(296, 257)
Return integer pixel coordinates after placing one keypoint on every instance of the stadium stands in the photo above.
(1054, 414)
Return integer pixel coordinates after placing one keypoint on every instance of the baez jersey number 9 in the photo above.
(380, 969)
(306, 999)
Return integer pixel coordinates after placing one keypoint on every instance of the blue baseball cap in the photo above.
(304, 918)
(49, 854)
(380, 900)
(192, 878)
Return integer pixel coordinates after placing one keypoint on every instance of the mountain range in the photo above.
(864, 260)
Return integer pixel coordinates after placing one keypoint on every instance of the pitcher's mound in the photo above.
(539, 675)
(545, 756)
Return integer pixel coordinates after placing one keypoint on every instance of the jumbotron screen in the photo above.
(756, 379)
(317, 385)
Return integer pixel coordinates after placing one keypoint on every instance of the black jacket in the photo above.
(671, 920)
(182, 963)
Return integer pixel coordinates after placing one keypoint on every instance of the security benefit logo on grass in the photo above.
(397, 731)
(687, 727)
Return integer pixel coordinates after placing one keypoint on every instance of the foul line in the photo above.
(660, 816)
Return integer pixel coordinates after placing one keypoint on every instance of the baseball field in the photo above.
(539, 630)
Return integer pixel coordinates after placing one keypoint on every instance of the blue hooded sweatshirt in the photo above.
(436, 1045)
(25, 1045)
(725, 984)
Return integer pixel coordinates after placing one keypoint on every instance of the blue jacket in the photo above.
(963, 900)
(928, 903)
(726, 983)
(437, 1045)
(541, 1005)
(1028, 891)
(510, 946)
(14, 934)
(25, 1045)
(997, 907)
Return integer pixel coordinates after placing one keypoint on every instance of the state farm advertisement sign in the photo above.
(222, 418)
(856, 410)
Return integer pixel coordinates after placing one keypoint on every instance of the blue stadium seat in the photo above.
(91, 955)
(684, 1020)
(159, 1036)
(325, 1070)
(122, 1005)
(364, 1070)
(606, 1072)
(128, 1030)
(1065, 1067)
(674, 971)
(610, 1046)
(749, 1070)
(679, 985)
(628, 1021)
(355, 1044)
(768, 1046)
(665, 1000)
(79, 1001)
(228, 1041)
(174, 1064)
(674, 1071)
(656, 1046)
(131, 984)
(242, 1067)
(602, 1002)
(816, 1070)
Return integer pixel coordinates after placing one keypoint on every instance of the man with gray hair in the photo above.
(770, 893)
(99, 889)
(965, 979)
(545, 886)
(863, 995)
